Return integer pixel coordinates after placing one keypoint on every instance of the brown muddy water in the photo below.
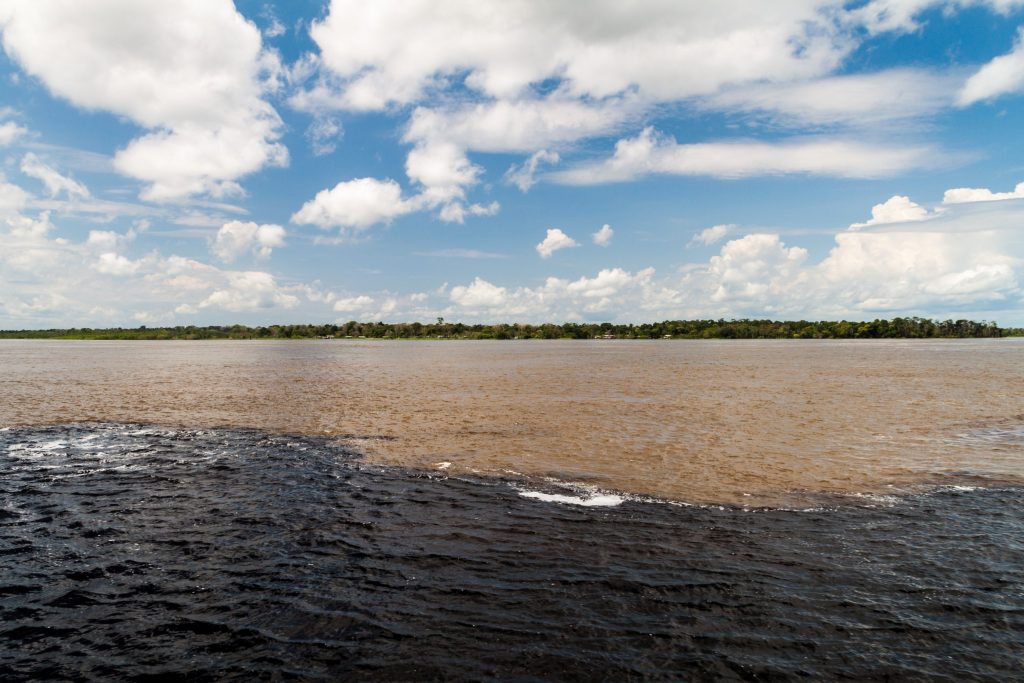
(737, 422)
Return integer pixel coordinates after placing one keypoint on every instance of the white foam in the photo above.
(442, 465)
(599, 500)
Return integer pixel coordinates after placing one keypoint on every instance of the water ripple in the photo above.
(130, 552)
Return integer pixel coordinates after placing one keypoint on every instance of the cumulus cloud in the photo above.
(1004, 74)
(653, 153)
(966, 261)
(522, 125)
(443, 171)
(50, 280)
(963, 195)
(556, 299)
(896, 209)
(10, 131)
(712, 235)
(236, 238)
(537, 78)
(209, 124)
(353, 304)
(479, 294)
(249, 291)
(108, 240)
(665, 51)
(553, 241)
(456, 213)
(355, 205)
(115, 264)
(753, 268)
(55, 183)
(603, 237)
(12, 199)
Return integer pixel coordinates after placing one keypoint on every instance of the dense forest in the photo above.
(914, 328)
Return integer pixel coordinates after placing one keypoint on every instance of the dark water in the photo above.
(133, 553)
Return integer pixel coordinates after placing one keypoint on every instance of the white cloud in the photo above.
(249, 291)
(351, 304)
(556, 299)
(456, 213)
(443, 170)
(896, 209)
(10, 131)
(537, 78)
(603, 237)
(116, 264)
(523, 175)
(236, 238)
(553, 241)
(965, 262)
(324, 134)
(107, 240)
(753, 268)
(859, 100)
(48, 280)
(355, 205)
(519, 126)
(195, 160)
(963, 195)
(712, 235)
(880, 16)
(654, 153)
(395, 52)
(55, 183)
(12, 199)
(383, 306)
(1004, 74)
(210, 125)
(479, 294)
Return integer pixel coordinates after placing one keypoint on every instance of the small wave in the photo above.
(599, 500)
(326, 566)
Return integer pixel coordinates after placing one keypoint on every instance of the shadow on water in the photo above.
(129, 553)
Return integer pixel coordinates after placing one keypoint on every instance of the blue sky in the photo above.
(205, 162)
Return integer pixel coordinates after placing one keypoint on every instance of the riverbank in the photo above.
(896, 328)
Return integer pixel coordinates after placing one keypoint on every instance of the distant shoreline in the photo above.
(896, 328)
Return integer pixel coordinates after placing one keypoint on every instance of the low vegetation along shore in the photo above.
(897, 328)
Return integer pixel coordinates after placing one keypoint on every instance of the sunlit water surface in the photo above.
(755, 423)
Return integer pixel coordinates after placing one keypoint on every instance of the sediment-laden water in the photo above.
(130, 552)
(759, 422)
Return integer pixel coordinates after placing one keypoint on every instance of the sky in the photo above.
(208, 162)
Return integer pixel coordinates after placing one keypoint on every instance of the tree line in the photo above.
(896, 328)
